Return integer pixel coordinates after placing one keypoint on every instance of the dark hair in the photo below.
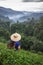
(10, 44)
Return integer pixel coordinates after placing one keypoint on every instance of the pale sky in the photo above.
(22, 6)
(32, 0)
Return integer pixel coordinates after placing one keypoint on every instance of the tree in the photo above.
(38, 30)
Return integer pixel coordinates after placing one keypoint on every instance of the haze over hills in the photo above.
(9, 14)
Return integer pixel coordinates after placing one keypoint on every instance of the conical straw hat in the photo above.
(15, 37)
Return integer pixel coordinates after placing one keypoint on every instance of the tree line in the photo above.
(30, 30)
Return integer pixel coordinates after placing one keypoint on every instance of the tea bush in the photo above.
(21, 57)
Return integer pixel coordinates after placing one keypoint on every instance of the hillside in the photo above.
(18, 15)
(21, 57)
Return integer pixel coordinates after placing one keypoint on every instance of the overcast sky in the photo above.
(27, 0)
(32, 0)
(22, 6)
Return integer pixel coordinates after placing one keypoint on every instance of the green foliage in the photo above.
(4, 33)
(26, 42)
(31, 32)
(5, 25)
(31, 43)
(38, 29)
(4, 30)
(37, 45)
(32, 40)
(13, 57)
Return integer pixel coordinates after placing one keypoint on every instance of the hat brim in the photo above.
(15, 39)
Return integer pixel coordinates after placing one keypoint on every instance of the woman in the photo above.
(16, 38)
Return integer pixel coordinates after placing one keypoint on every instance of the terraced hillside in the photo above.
(13, 57)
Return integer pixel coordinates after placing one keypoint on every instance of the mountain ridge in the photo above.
(19, 15)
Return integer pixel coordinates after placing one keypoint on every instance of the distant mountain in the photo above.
(4, 18)
(6, 13)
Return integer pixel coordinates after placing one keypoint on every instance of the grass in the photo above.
(22, 57)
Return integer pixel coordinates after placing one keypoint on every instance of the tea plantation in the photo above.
(13, 57)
